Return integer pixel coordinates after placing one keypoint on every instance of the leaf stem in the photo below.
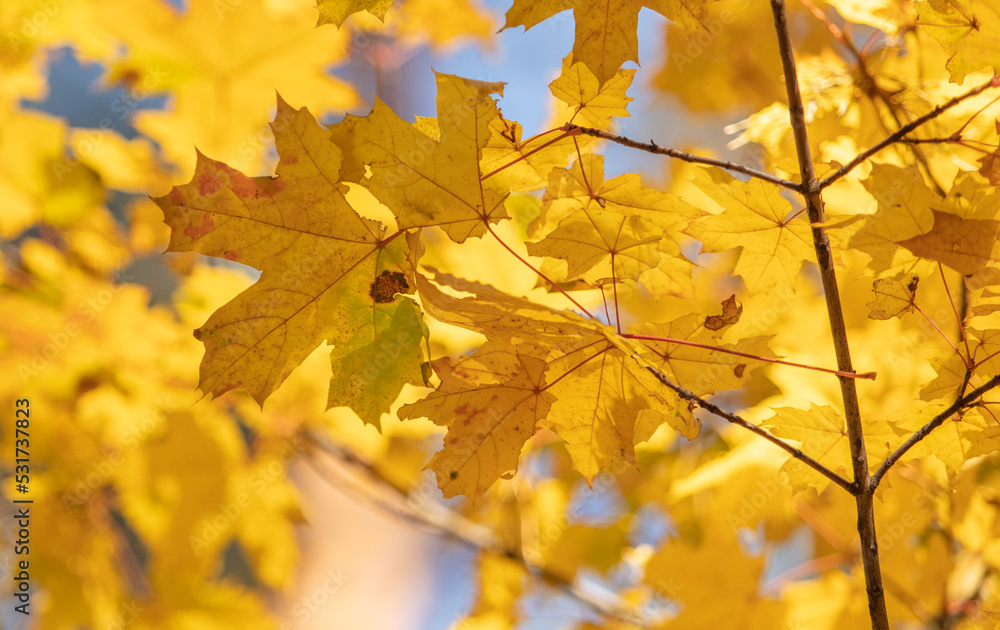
(958, 319)
(604, 297)
(869, 376)
(937, 421)
(753, 428)
(391, 237)
(525, 155)
(652, 147)
(930, 321)
(614, 288)
(538, 272)
(583, 171)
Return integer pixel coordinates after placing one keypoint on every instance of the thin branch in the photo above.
(447, 522)
(753, 428)
(962, 142)
(900, 117)
(904, 130)
(541, 275)
(937, 421)
(652, 147)
(864, 497)
(948, 140)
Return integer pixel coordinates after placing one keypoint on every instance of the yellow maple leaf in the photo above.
(893, 297)
(953, 369)
(428, 180)
(823, 434)
(593, 104)
(606, 29)
(510, 162)
(584, 101)
(583, 187)
(968, 30)
(965, 245)
(755, 217)
(605, 401)
(40, 183)
(703, 371)
(588, 237)
(336, 11)
(438, 22)
(889, 16)
(903, 212)
(500, 589)
(29, 27)
(328, 274)
(488, 423)
(960, 438)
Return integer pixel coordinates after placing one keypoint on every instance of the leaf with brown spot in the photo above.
(327, 275)
(387, 285)
(731, 312)
(893, 297)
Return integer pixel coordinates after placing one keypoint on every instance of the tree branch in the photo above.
(652, 147)
(904, 130)
(753, 428)
(937, 421)
(811, 190)
(447, 522)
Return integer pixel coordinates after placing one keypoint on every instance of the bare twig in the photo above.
(937, 421)
(811, 189)
(904, 130)
(652, 147)
(447, 522)
(753, 428)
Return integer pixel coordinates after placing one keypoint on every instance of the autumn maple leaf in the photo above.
(606, 29)
(428, 173)
(328, 274)
(492, 401)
